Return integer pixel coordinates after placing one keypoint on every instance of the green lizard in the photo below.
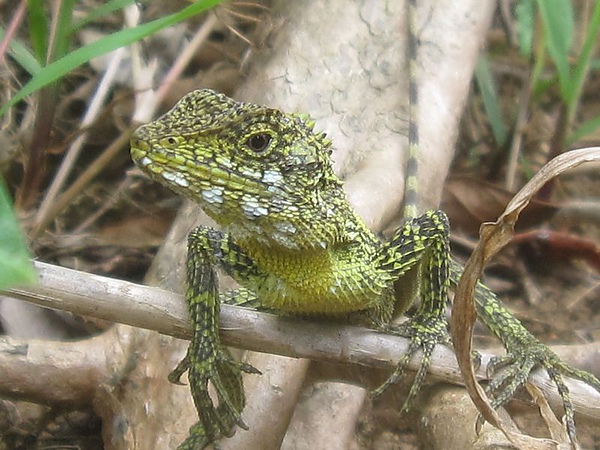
(291, 240)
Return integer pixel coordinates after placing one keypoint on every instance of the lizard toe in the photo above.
(424, 332)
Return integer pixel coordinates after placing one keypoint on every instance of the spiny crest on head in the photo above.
(215, 106)
(325, 142)
(306, 119)
(310, 123)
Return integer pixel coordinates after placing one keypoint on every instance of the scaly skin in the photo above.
(294, 244)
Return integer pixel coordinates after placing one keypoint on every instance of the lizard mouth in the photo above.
(145, 158)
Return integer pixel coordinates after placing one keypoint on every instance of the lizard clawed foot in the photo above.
(224, 373)
(424, 332)
(509, 373)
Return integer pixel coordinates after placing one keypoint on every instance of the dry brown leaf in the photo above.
(470, 202)
(555, 427)
(562, 246)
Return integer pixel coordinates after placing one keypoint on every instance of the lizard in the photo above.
(294, 244)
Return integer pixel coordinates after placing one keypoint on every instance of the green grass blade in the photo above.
(487, 87)
(15, 263)
(62, 39)
(22, 55)
(524, 12)
(584, 60)
(101, 11)
(559, 22)
(38, 28)
(584, 129)
(59, 68)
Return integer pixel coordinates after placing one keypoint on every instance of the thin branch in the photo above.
(165, 312)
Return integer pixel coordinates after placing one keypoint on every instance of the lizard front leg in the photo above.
(207, 359)
(421, 243)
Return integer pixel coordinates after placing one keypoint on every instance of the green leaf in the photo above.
(559, 22)
(22, 55)
(524, 12)
(38, 28)
(15, 263)
(584, 60)
(584, 129)
(101, 11)
(487, 87)
(59, 68)
(63, 31)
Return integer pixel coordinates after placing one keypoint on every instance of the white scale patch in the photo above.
(272, 176)
(169, 176)
(145, 161)
(252, 208)
(273, 189)
(180, 180)
(175, 178)
(214, 195)
(251, 173)
(262, 210)
(285, 227)
(284, 240)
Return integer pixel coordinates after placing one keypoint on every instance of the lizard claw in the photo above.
(509, 373)
(177, 373)
(249, 368)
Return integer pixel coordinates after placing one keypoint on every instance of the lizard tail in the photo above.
(411, 199)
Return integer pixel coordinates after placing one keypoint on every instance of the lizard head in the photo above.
(258, 172)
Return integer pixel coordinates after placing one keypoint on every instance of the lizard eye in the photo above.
(259, 142)
(168, 141)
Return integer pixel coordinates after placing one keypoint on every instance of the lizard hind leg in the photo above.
(422, 241)
(524, 354)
